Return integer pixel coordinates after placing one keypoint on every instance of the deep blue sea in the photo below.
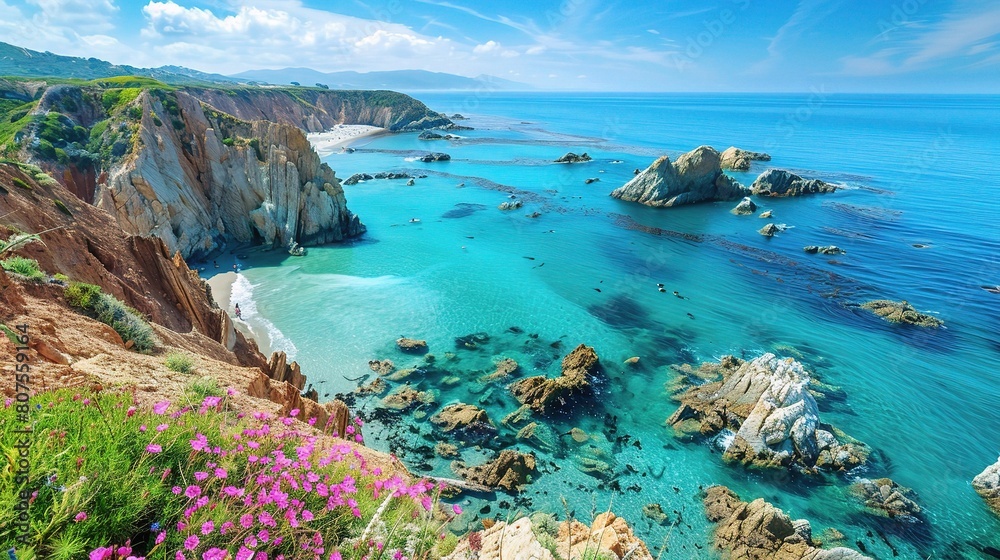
(917, 214)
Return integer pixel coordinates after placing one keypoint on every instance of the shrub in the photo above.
(126, 321)
(204, 387)
(181, 363)
(20, 183)
(135, 113)
(62, 207)
(23, 266)
(82, 296)
(60, 277)
(228, 141)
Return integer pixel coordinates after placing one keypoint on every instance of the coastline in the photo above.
(331, 141)
(252, 324)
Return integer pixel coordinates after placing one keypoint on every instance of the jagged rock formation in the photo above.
(510, 205)
(695, 177)
(768, 230)
(608, 534)
(827, 250)
(758, 530)
(739, 160)
(778, 182)
(901, 312)
(502, 541)
(987, 485)
(768, 404)
(886, 498)
(745, 207)
(510, 470)
(543, 394)
(570, 157)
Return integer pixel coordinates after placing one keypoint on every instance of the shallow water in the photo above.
(913, 170)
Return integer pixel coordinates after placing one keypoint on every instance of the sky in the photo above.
(636, 45)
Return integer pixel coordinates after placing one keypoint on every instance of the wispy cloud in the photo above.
(808, 14)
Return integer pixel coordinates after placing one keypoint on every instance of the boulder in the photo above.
(428, 135)
(745, 207)
(768, 230)
(591, 181)
(407, 397)
(410, 183)
(655, 513)
(901, 312)
(465, 419)
(570, 157)
(411, 345)
(768, 404)
(886, 498)
(436, 156)
(766, 214)
(739, 160)
(510, 470)
(987, 485)
(607, 535)
(510, 205)
(778, 182)
(502, 541)
(760, 530)
(827, 250)
(543, 394)
(695, 177)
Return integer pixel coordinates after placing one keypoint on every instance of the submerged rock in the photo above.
(695, 177)
(573, 158)
(768, 230)
(539, 436)
(411, 345)
(760, 530)
(655, 512)
(543, 394)
(591, 181)
(436, 156)
(886, 498)
(778, 182)
(739, 160)
(768, 404)
(446, 450)
(827, 250)
(382, 367)
(987, 485)
(510, 205)
(745, 207)
(505, 367)
(467, 419)
(766, 214)
(607, 535)
(510, 470)
(407, 397)
(471, 341)
(901, 312)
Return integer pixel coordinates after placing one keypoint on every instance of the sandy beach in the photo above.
(252, 325)
(331, 141)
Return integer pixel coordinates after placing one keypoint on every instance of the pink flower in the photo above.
(246, 521)
(130, 412)
(192, 491)
(161, 537)
(142, 428)
(293, 412)
(179, 556)
(214, 554)
(101, 553)
(191, 542)
(207, 527)
(124, 551)
(263, 535)
(457, 509)
(244, 553)
(154, 448)
(307, 515)
(162, 427)
(80, 517)
(176, 490)
(200, 476)
(335, 555)
(221, 473)
(161, 407)
(226, 527)
(200, 443)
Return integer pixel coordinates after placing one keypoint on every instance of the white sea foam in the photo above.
(243, 294)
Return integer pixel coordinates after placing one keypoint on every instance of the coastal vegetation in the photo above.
(127, 322)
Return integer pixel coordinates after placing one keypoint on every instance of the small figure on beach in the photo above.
(216, 263)
(414, 220)
(236, 268)
(239, 314)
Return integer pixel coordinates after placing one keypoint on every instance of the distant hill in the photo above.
(19, 61)
(405, 80)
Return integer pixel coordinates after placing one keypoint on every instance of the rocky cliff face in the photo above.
(695, 177)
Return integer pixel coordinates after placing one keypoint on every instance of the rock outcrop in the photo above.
(739, 160)
(466, 420)
(778, 182)
(502, 541)
(411, 345)
(901, 312)
(570, 157)
(886, 498)
(758, 530)
(695, 177)
(827, 250)
(543, 394)
(987, 485)
(768, 404)
(745, 207)
(436, 156)
(607, 535)
(768, 230)
(407, 397)
(511, 470)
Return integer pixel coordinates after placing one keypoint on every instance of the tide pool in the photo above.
(915, 212)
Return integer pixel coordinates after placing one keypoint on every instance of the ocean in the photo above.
(916, 214)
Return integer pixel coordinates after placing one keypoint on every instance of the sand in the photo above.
(331, 141)
(251, 327)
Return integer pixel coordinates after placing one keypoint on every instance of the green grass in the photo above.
(62, 207)
(11, 335)
(181, 363)
(60, 277)
(127, 322)
(20, 183)
(25, 267)
(203, 387)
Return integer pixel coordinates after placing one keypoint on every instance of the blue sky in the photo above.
(636, 45)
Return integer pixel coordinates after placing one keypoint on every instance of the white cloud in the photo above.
(88, 16)
(487, 47)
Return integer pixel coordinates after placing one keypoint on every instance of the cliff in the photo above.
(199, 167)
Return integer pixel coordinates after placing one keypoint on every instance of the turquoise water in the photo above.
(915, 171)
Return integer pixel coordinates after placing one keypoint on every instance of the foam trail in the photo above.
(242, 293)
